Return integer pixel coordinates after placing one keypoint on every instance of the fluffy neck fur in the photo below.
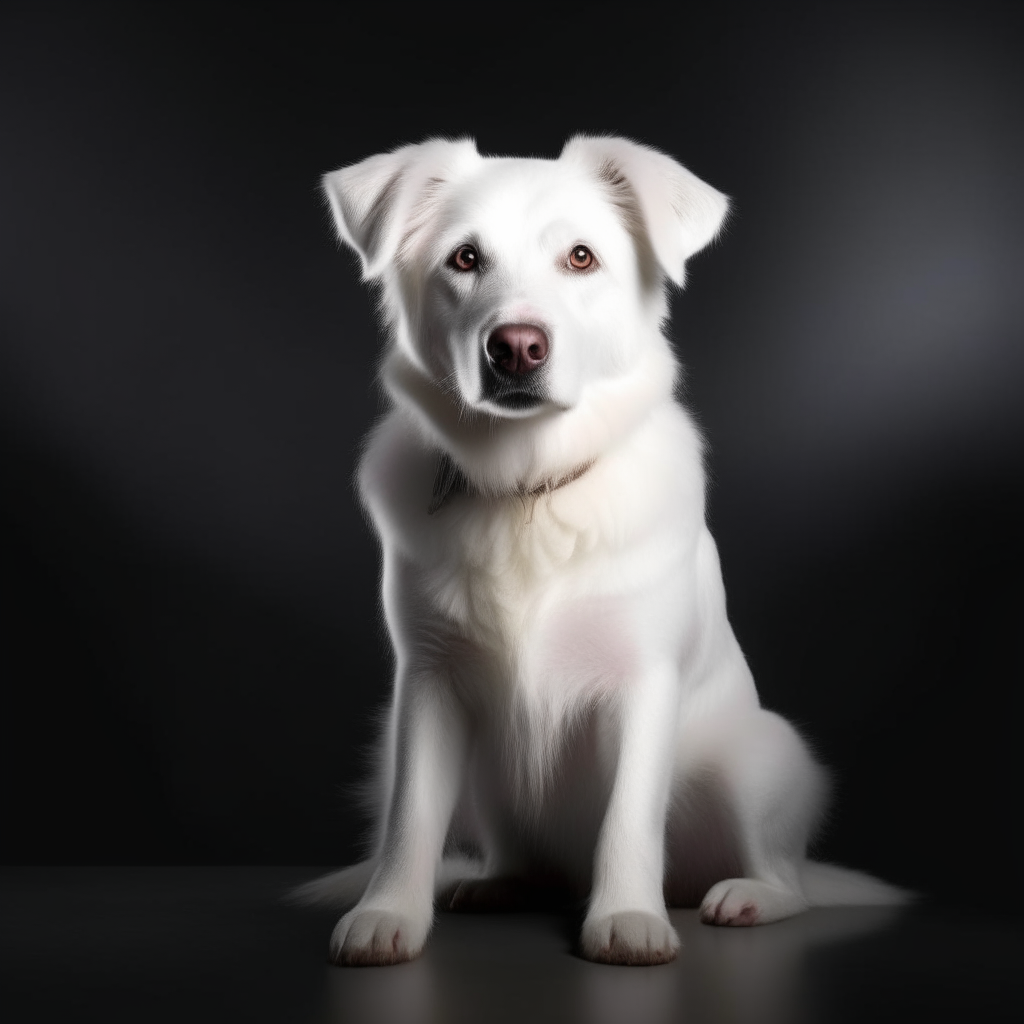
(503, 456)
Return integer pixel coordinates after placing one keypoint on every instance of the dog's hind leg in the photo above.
(775, 792)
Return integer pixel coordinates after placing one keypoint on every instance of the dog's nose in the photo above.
(518, 348)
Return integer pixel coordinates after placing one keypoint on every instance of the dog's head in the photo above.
(526, 296)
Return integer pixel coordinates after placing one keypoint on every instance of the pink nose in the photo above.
(518, 348)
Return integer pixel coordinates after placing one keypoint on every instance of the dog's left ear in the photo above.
(680, 213)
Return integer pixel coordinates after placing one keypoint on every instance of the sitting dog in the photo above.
(569, 700)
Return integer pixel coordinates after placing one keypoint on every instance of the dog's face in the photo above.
(524, 288)
(519, 286)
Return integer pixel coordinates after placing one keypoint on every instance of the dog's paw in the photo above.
(364, 938)
(631, 937)
(741, 902)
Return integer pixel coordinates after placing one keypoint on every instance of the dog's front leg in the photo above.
(391, 921)
(626, 921)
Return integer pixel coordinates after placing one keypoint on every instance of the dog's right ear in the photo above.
(372, 200)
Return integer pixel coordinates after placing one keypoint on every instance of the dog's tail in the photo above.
(827, 885)
(342, 889)
(338, 889)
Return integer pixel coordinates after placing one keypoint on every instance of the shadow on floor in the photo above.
(217, 944)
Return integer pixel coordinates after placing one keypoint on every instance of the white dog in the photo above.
(568, 690)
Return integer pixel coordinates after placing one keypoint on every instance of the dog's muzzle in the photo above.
(512, 366)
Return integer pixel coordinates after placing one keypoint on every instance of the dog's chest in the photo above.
(500, 562)
(518, 585)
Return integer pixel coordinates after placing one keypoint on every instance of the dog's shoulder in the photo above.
(661, 463)
(396, 471)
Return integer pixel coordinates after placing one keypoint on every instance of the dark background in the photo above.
(191, 649)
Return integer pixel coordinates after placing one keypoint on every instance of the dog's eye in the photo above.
(464, 258)
(581, 258)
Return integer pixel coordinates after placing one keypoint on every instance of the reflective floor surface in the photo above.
(217, 944)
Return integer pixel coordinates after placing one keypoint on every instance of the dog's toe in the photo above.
(375, 938)
(634, 938)
(741, 902)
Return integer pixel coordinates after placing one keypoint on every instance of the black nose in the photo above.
(518, 348)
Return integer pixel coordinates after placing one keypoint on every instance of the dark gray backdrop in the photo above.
(192, 656)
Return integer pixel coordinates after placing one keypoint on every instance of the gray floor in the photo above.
(216, 944)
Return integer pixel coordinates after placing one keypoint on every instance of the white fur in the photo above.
(568, 686)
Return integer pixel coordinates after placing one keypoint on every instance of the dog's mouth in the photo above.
(516, 401)
(512, 396)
